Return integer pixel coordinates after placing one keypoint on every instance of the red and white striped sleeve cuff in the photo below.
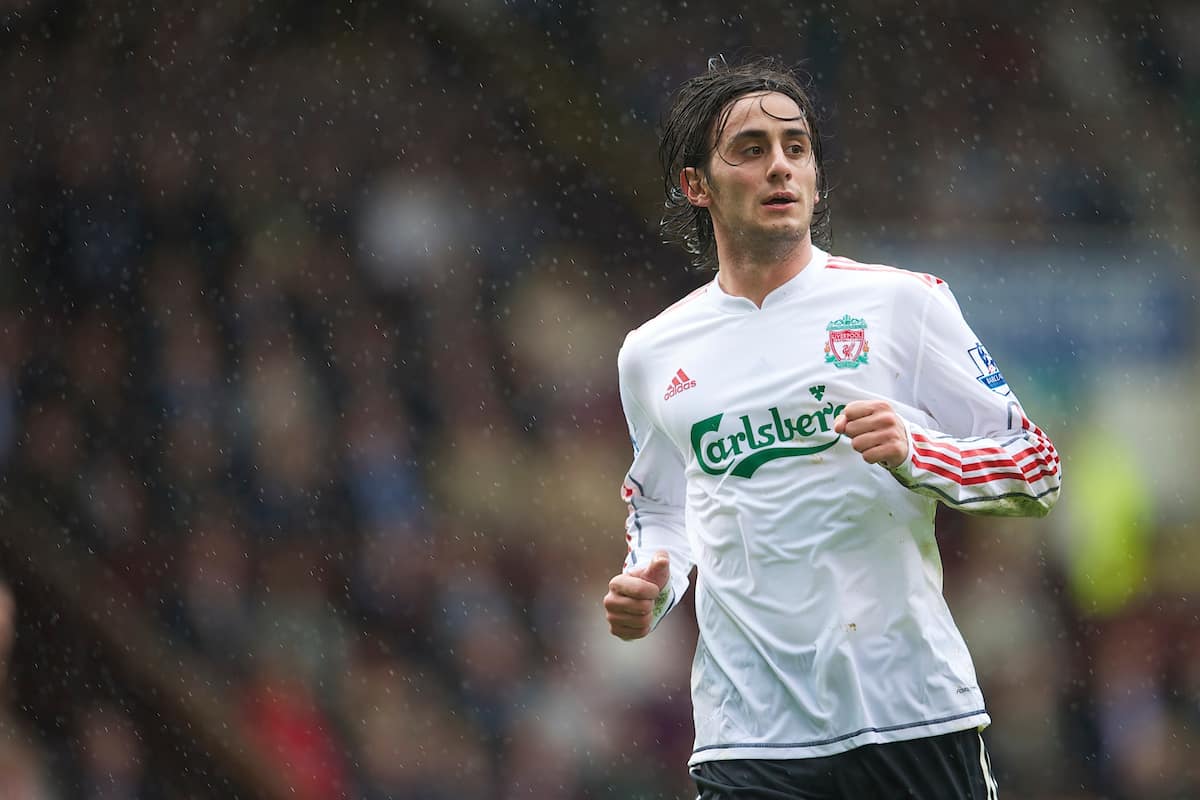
(1015, 473)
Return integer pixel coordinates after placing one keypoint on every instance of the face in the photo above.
(760, 183)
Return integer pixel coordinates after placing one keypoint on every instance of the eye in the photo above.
(754, 150)
(796, 149)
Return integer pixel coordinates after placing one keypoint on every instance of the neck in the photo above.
(754, 275)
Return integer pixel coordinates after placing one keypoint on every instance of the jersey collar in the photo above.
(801, 282)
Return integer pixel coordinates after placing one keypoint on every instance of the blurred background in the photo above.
(309, 425)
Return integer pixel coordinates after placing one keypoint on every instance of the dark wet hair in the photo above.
(693, 125)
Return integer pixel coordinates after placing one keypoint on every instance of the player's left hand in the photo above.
(875, 430)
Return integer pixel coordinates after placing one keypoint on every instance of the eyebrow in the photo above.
(756, 133)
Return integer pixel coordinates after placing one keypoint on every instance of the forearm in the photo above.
(1012, 473)
(653, 527)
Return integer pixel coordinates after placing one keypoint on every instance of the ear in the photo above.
(694, 187)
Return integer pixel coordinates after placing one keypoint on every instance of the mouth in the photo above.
(780, 200)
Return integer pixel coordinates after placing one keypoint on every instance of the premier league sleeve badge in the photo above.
(989, 373)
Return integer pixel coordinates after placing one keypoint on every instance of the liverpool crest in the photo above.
(846, 347)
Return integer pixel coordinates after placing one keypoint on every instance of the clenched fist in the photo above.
(875, 430)
(631, 597)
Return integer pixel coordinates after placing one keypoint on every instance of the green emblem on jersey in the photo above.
(817, 391)
(846, 347)
(753, 443)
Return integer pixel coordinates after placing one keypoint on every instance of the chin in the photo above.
(786, 232)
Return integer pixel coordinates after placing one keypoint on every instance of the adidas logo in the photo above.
(680, 383)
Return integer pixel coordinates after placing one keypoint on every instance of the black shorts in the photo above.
(954, 766)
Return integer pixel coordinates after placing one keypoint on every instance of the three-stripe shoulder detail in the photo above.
(839, 262)
(678, 304)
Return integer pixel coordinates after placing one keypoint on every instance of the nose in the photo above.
(780, 165)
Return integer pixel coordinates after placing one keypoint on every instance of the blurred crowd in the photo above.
(309, 322)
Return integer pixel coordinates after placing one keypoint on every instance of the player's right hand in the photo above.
(631, 596)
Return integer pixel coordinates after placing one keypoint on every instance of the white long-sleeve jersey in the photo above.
(819, 590)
